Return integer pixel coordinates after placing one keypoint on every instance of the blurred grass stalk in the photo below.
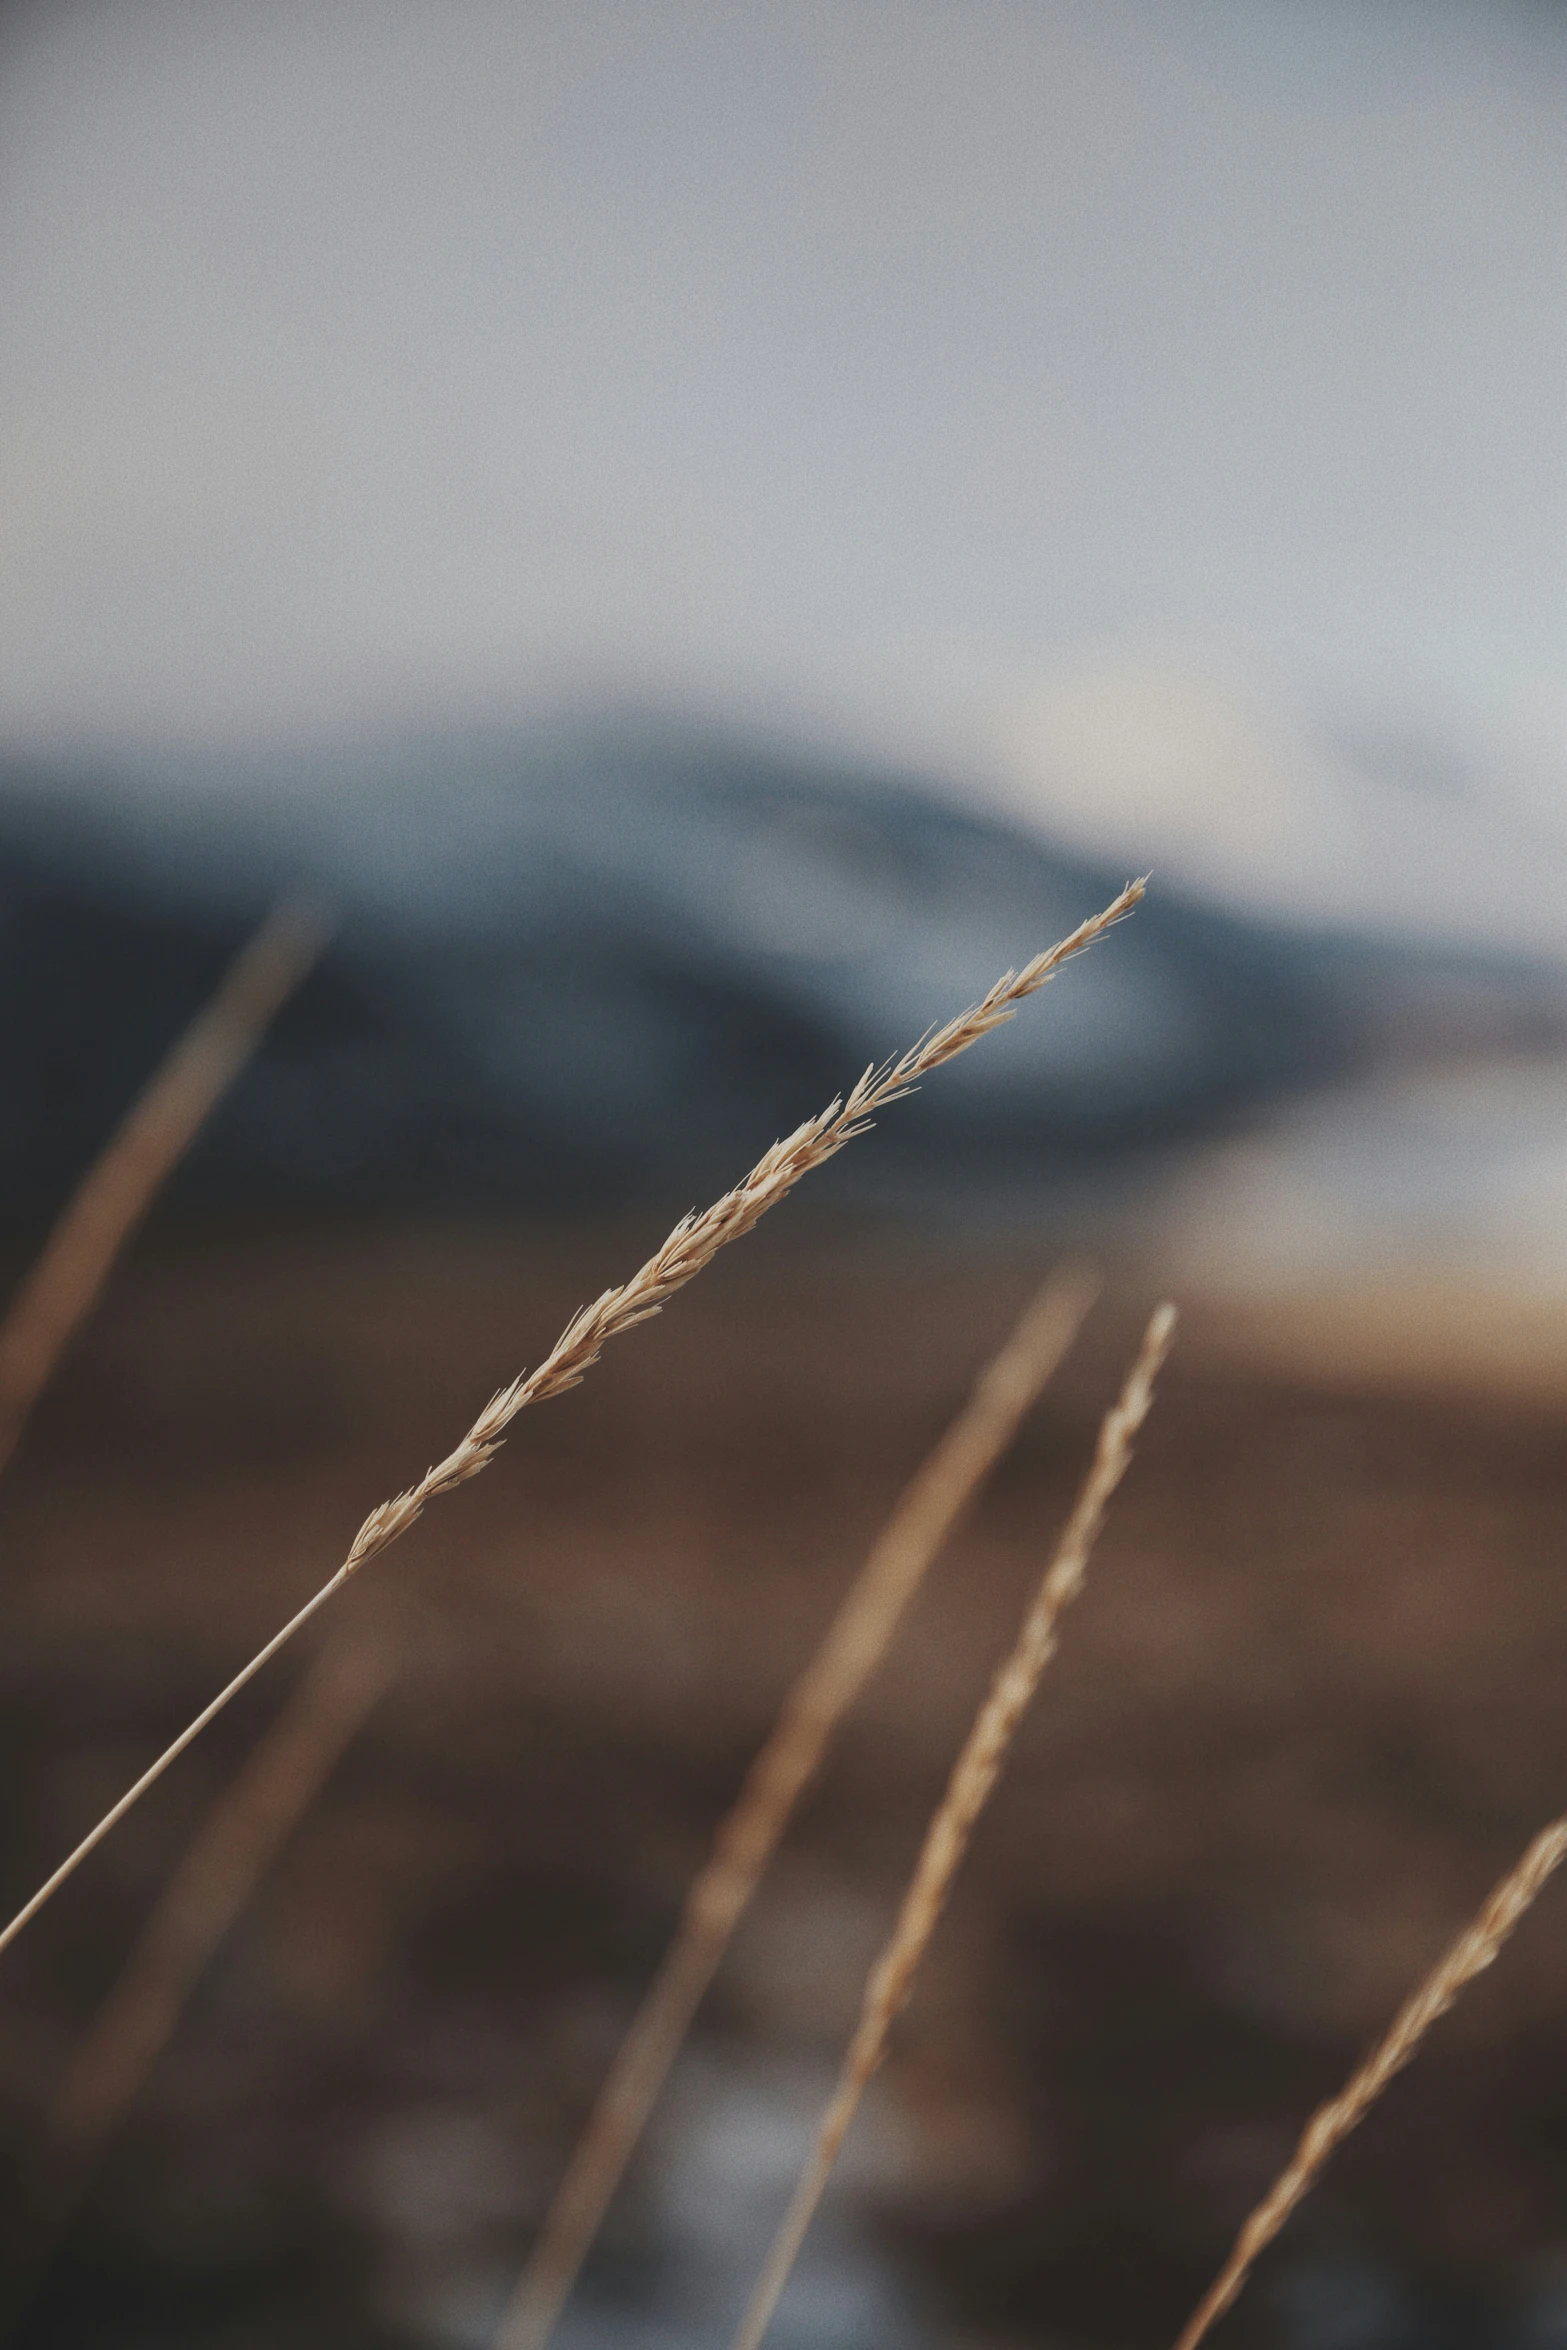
(1477, 1946)
(117, 1190)
(968, 1790)
(241, 1836)
(855, 1643)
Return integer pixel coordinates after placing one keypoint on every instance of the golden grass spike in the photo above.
(237, 1842)
(1476, 1947)
(157, 1130)
(946, 1839)
(855, 1642)
(693, 1244)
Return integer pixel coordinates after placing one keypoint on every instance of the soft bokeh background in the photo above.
(703, 533)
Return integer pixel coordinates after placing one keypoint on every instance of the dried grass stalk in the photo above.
(854, 1645)
(115, 1194)
(693, 1244)
(1480, 1942)
(946, 1840)
(236, 1843)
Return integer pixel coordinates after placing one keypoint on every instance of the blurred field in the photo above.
(1308, 1709)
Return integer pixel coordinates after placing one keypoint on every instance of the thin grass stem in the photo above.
(58, 1292)
(946, 1840)
(1475, 1949)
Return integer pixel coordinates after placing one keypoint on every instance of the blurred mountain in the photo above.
(580, 966)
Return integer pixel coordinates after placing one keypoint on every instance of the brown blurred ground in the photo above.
(1310, 1706)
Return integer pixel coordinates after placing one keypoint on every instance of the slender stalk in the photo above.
(58, 1293)
(692, 1245)
(1476, 1947)
(855, 1642)
(236, 1843)
(133, 1795)
(946, 1840)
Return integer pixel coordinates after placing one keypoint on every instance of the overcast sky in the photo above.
(870, 365)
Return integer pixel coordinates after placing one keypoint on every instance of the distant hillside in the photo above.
(579, 967)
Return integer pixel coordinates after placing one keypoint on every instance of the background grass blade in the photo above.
(157, 1130)
(854, 1645)
(1475, 1949)
(946, 1840)
(237, 1842)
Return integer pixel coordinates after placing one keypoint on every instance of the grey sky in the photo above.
(856, 365)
